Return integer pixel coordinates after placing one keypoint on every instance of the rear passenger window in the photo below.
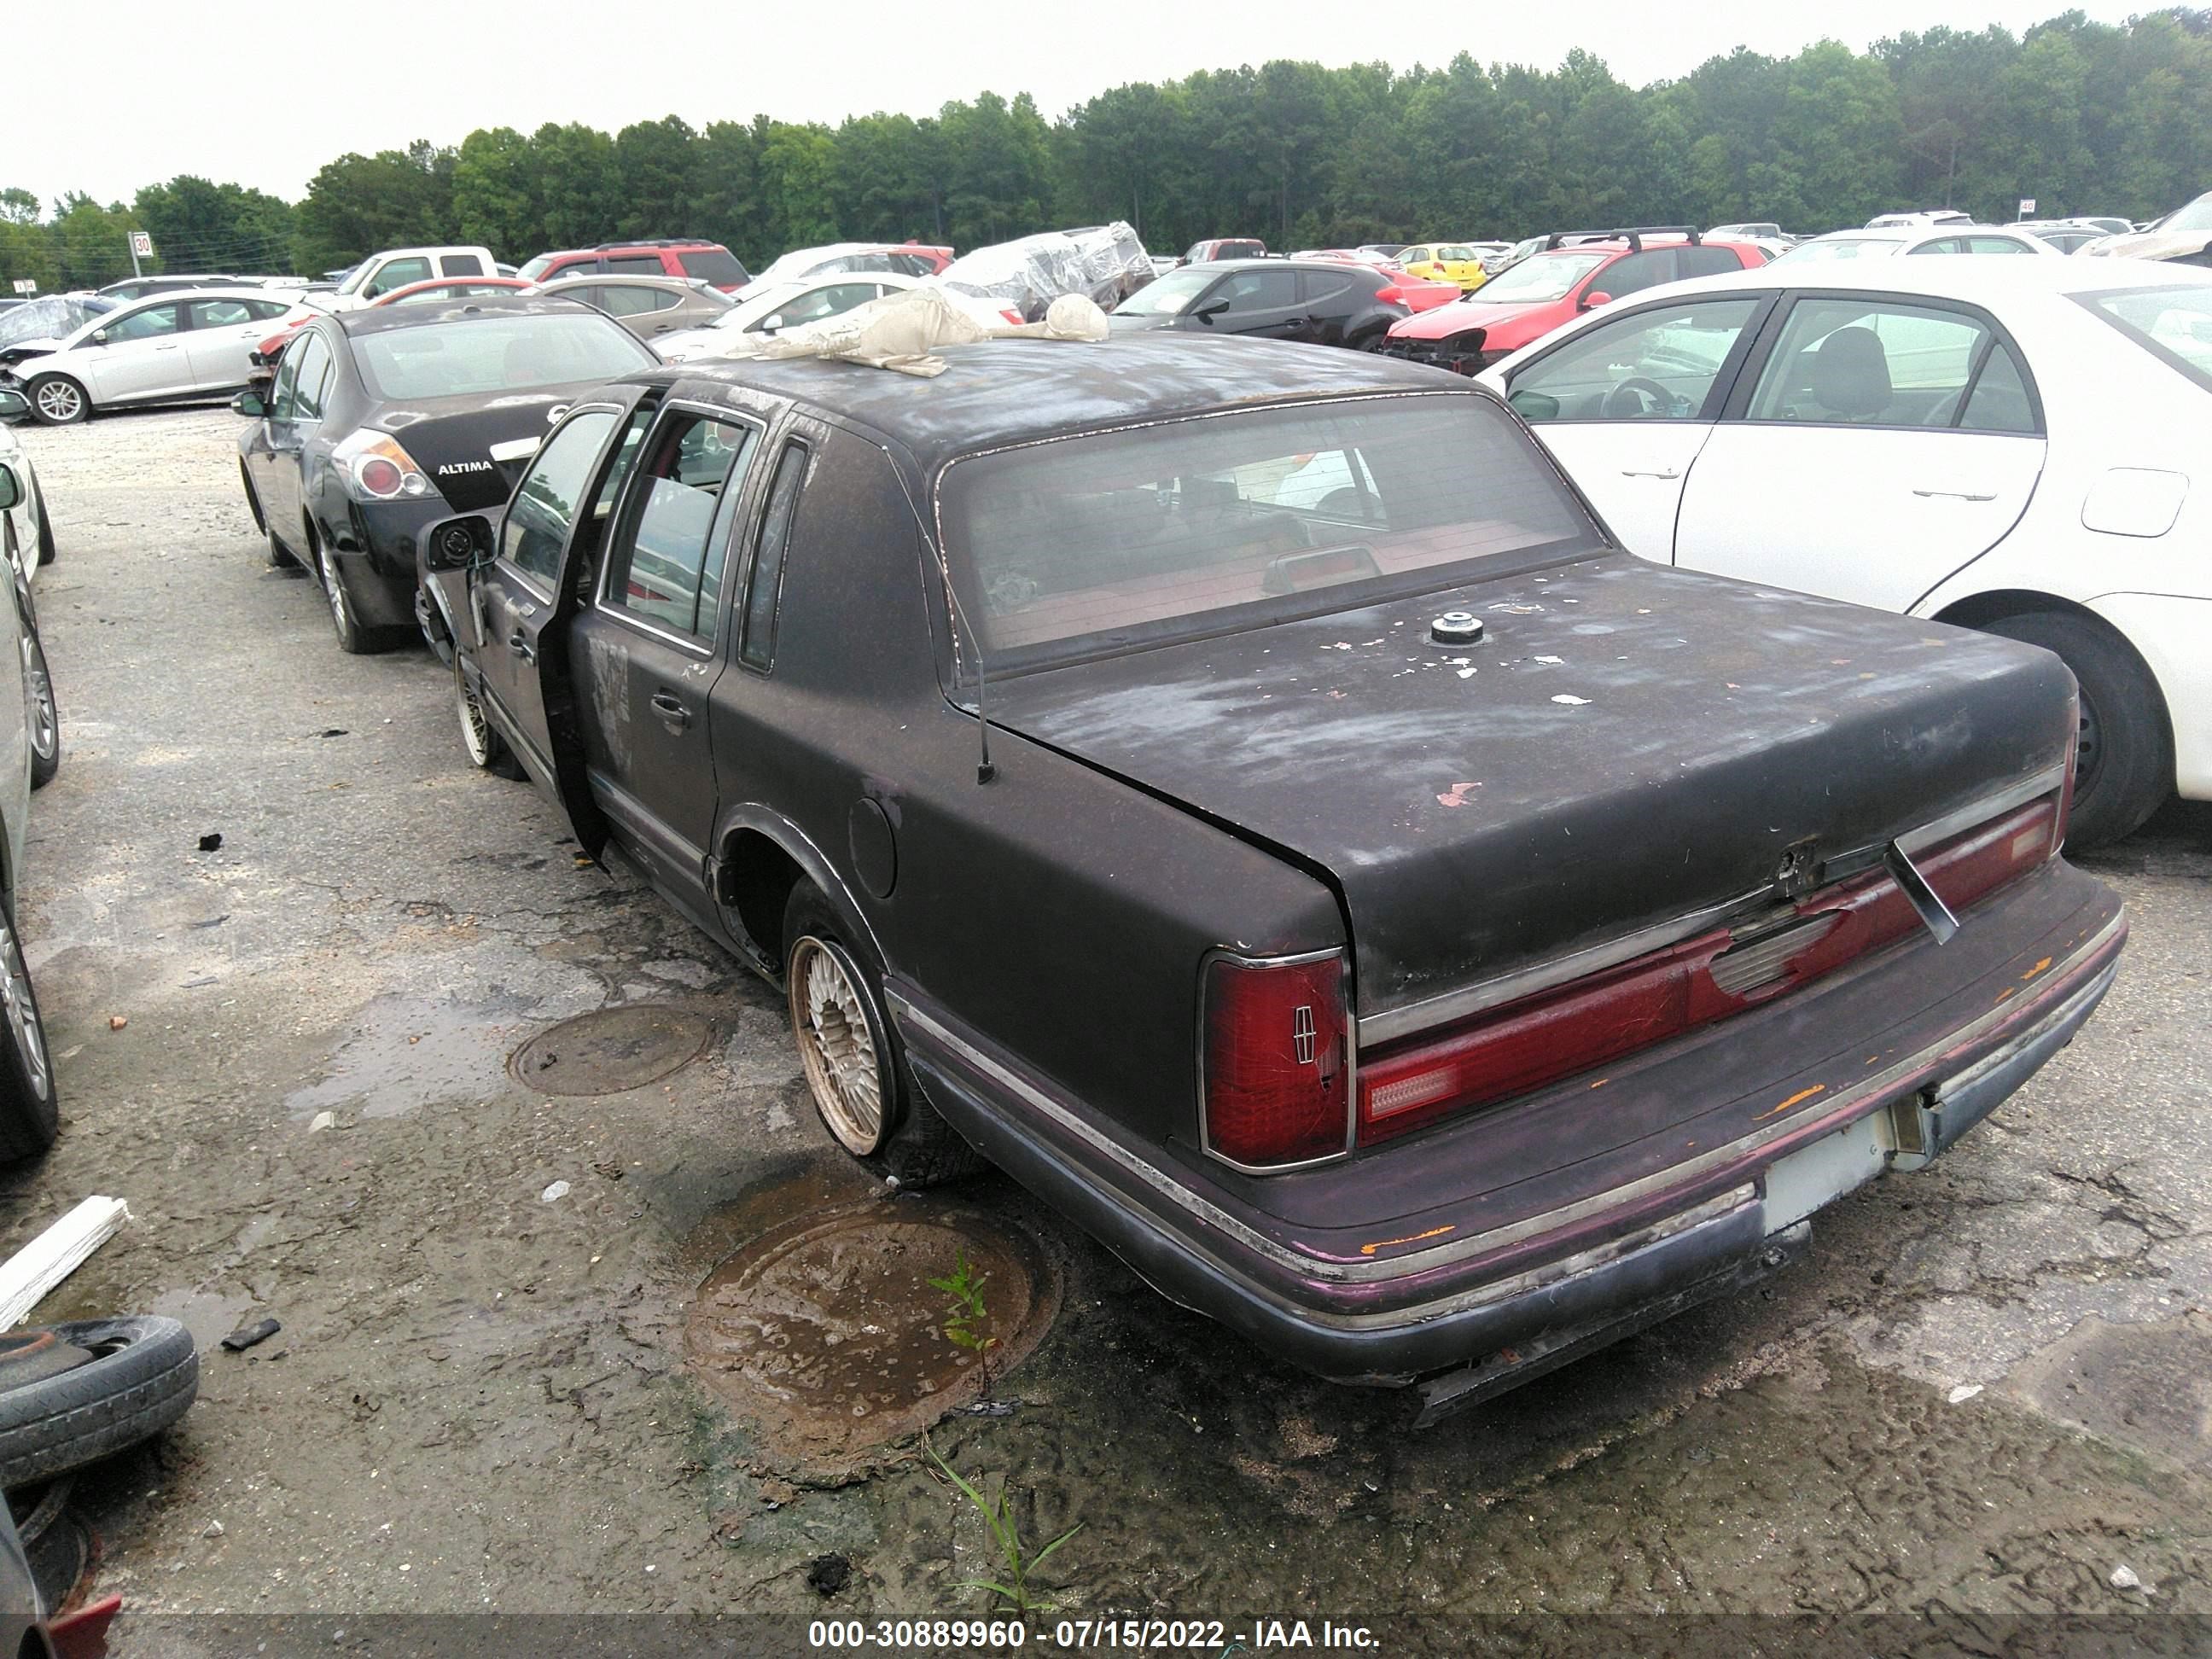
(1704, 261)
(677, 525)
(1636, 271)
(1870, 362)
(1999, 401)
(765, 581)
(634, 264)
(460, 264)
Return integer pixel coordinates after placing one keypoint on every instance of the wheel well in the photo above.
(1980, 609)
(756, 879)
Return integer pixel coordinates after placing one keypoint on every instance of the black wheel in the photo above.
(45, 524)
(487, 750)
(44, 715)
(280, 556)
(866, 1095)
(353, 638)
(57, 400)
(71, 1395)
(2123, 768)
(1372, 340)
(29, 1113)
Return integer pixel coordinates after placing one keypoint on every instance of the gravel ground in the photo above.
(1991, 1387)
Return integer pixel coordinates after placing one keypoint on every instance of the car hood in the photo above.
(452, 439)
(1630, 745)
(2150, 245)
(680, 345)
(1444, 321)
(1136, 323)
(21, 350)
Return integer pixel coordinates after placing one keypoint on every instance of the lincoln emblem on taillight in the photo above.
(1302, 1034)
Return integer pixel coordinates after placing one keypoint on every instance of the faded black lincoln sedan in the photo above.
(1241, 792)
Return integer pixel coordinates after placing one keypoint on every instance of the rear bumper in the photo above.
(1496, 1306)
(375, 547)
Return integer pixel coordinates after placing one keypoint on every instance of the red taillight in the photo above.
(1542, 1039)
(379, 477)
(1277, 1082)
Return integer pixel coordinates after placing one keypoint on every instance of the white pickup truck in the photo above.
(396, 267)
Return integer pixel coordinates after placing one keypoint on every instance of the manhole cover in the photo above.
(610, 1049)
(829, 1332)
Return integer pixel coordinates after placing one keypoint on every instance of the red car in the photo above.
(1412, 291)
(1572, 272)
(266, 355)
(1223, 247)
(686, 259)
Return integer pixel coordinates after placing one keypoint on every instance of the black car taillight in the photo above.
(1276, 1081)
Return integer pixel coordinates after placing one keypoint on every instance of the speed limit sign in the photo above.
(142, 244)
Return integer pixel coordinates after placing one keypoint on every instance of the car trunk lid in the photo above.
(1628, 746)
(475, 448)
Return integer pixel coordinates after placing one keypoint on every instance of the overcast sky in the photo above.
(138, 93)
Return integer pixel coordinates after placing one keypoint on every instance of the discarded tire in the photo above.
(142, 1377)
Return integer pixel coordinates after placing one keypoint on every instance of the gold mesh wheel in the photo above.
(837, 1044)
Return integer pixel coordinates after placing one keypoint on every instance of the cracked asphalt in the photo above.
(1988, 1388)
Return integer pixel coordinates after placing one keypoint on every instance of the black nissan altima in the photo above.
(380, 421)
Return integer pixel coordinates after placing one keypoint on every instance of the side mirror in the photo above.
(770, 324)
(249, 403)
(1595, 298)
(1206, 313)
(100, 337)
(461, 543)
(11, 490)
(14, 405)
(1532, 406)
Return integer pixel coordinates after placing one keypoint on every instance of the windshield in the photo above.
(2174, 323)
(761, 300)
(470, 356)
(2198, 215)
(1118, 539)
(536, 268)
(1168, 295)
(356, 277)
(1843, 247)
(1536, 279)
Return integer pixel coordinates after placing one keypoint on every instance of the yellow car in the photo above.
(1444, 262)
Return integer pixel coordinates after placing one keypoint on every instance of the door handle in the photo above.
(670, 709)
(1956, 495)
(519, 642)
(168, 346)
(1639, 472)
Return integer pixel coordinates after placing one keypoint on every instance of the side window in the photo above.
(1414, 255)
(1658, 365)
(1875, 363)
(1259, 290)
(624, 299)
(634, 265)
(266, 311)
(821, 303)
(1993, 244)
(219, 314)
(545, 506)
(1999, 401)
(145, 324)
(1704, 261)
(397, 273)
(460, 265)
(1634, 272)
(1319, 287)
(1942, 245)
(588, 294)
(677, 522)
(283, 397)
(313, 389)
(764, 583)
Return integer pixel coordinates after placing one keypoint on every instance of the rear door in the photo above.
(647, 653)
(511, 600)
(1330, 300)
(1627, 405)
(1881, 443)
(220, 342)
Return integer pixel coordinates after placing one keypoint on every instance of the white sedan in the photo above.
(776, 307)
(159, 349)
(2008, 445)
(1881, 241)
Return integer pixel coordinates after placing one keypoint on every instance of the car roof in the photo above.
(380, 319)
(1278, 264)
(996, 393)
(179, 295)
(618, 279)
(1959, 277)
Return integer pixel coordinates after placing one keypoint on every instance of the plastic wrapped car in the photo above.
(1105, 264)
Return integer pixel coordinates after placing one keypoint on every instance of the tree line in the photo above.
(2083, 117)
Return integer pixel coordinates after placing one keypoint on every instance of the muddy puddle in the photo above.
(826, 1331)
(610, 1049)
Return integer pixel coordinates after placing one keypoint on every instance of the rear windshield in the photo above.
(2174, 323)
(476, 355)
(1118, 539)
(716, 265)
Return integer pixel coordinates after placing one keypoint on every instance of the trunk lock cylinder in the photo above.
(1456, 627)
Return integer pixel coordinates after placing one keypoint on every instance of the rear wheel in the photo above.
(29, 1113)
(57, 400)
(2124, 766)
(866, 1095)
(488, 750)
(353, 638)
(46, 717)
